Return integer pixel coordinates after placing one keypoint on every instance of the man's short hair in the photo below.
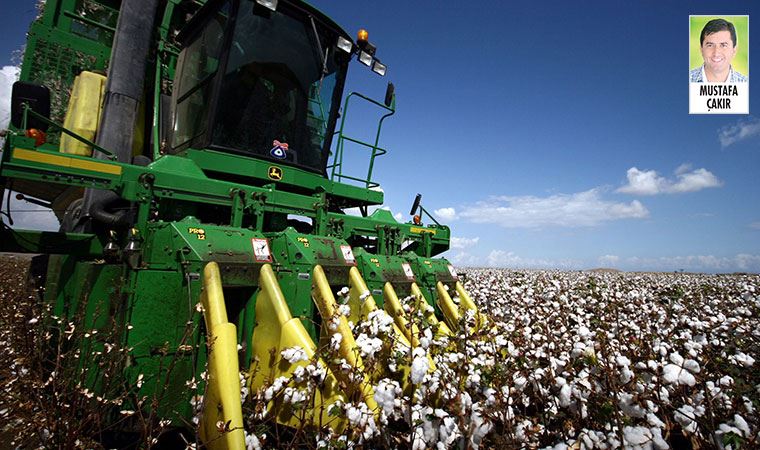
(715, 26)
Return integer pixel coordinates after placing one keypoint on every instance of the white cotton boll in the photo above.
(294, 354)
(630, 408)
(691, 365)
(655, 421)
(741, 424)
(252, 442)
(380, 322)
(335, 341)
(674, 374)
(742, 359)
(565, 394)
(676, 358)
(622, 361)
(685, 416)
(364, 295)
(344, 310)
(520, 382)
(368, 346)
(420, 365)
(626, 375)
(386, 392)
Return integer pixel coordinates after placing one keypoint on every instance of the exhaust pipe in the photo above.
(124, 90)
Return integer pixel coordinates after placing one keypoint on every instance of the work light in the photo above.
(365, 58)
(345, 45)
(378, 68)
(268, 4)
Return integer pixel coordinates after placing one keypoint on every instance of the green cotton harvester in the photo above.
(193, 153)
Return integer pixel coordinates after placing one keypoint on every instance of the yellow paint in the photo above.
(83, 114)
(66, 161)
(322, 295)
(466, 302)
(448, 307)
(396, 311)
(443, 329)
(275, 331)
(222, 399)
(419, 230)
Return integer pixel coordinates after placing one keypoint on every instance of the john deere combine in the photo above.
(194, 155)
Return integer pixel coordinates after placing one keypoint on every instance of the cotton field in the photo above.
(558, 360)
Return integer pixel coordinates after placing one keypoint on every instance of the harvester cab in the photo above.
(198, 171)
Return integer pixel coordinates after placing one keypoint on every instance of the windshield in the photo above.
(277, 97)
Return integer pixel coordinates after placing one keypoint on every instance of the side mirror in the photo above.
(390, 95)
(38, 99)
(416, 204)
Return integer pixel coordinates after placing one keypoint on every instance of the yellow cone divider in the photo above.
(466, 302)
(443, 329)
(221, 425)
(276, 329)
(396, 311)
(448, 307)
(325, 301)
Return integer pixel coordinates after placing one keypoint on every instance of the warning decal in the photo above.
(261, 251)
(348, 255)
(408, 271)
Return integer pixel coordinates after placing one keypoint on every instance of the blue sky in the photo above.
(548, 134)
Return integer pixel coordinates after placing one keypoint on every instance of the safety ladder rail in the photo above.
(337, 165)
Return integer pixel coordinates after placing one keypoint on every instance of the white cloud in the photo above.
(372, 208)
(581, 209)
(501, 258)
(465, 259)
(755, 225)
(8, 75)
(29, 216)
(609, 260)
(741, 262)
(446, 213)
(463, 243)
(649, 182)
(743, 129)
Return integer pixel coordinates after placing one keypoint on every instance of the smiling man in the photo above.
(718, 46)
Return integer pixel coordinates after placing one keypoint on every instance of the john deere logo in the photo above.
(275, 173)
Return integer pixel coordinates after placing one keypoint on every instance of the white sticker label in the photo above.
(348, 255)
(408, 271)
(453, 272)
(261, 250)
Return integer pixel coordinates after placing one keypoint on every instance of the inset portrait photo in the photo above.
(718, 64)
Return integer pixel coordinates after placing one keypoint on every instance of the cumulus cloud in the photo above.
(8, 75)
(462, 243)
(741, 130)
(609, 260)
(29, 216)
(446, 213)
(649, 182)
(742, 262)
(501, 258)
(581, 209)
